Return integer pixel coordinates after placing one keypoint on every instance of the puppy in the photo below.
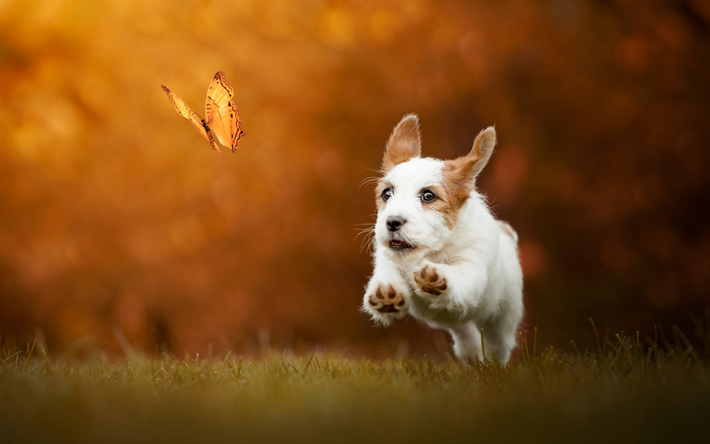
(440, 255)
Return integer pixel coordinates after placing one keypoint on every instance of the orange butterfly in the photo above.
(221, 114)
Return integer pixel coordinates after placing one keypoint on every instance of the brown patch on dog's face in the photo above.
(382, 185)
(447, 202)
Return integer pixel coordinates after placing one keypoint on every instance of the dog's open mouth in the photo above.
(400, 245)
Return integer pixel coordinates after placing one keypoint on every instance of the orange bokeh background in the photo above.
(119, 222)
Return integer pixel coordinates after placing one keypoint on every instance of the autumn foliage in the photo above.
(118, 221)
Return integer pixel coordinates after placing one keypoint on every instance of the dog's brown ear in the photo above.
(482, 150)
(463, 171)
(404, 143)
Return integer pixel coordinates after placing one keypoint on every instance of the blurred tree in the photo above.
(116, 216)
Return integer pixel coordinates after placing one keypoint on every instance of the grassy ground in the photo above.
(628, 390)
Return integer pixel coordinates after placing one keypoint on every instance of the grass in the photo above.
(627, 390)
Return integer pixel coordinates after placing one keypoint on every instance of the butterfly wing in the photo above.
(221, 113)
(234, 125)
(185, 111)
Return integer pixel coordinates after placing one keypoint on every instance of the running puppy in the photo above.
(440, 255)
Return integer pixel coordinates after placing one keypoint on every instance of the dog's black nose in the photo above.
(394, 222)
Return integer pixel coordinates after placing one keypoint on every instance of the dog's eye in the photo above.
(428, 196)
(387, 194)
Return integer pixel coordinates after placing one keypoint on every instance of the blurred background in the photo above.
(119, 226)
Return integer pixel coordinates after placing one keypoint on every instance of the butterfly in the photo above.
(221, 114)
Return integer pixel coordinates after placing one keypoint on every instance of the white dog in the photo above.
(440, 255)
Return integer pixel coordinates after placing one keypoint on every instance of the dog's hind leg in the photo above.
(499, 336)
(496, 340)
(467, 342)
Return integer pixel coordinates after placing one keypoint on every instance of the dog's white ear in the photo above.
(461, 172)
(404, 143)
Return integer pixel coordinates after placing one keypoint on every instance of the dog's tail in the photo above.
(508, 231)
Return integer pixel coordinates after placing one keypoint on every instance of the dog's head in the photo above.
(419, 199)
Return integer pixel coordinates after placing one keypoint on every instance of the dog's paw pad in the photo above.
(429, 280)
(386, 299)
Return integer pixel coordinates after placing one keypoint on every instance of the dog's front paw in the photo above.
(385, 302)
(430, 281)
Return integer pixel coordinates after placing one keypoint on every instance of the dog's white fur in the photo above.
(473, 257)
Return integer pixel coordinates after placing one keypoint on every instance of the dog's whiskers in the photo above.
(369, 238)
(362, 231)
(367, 181)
